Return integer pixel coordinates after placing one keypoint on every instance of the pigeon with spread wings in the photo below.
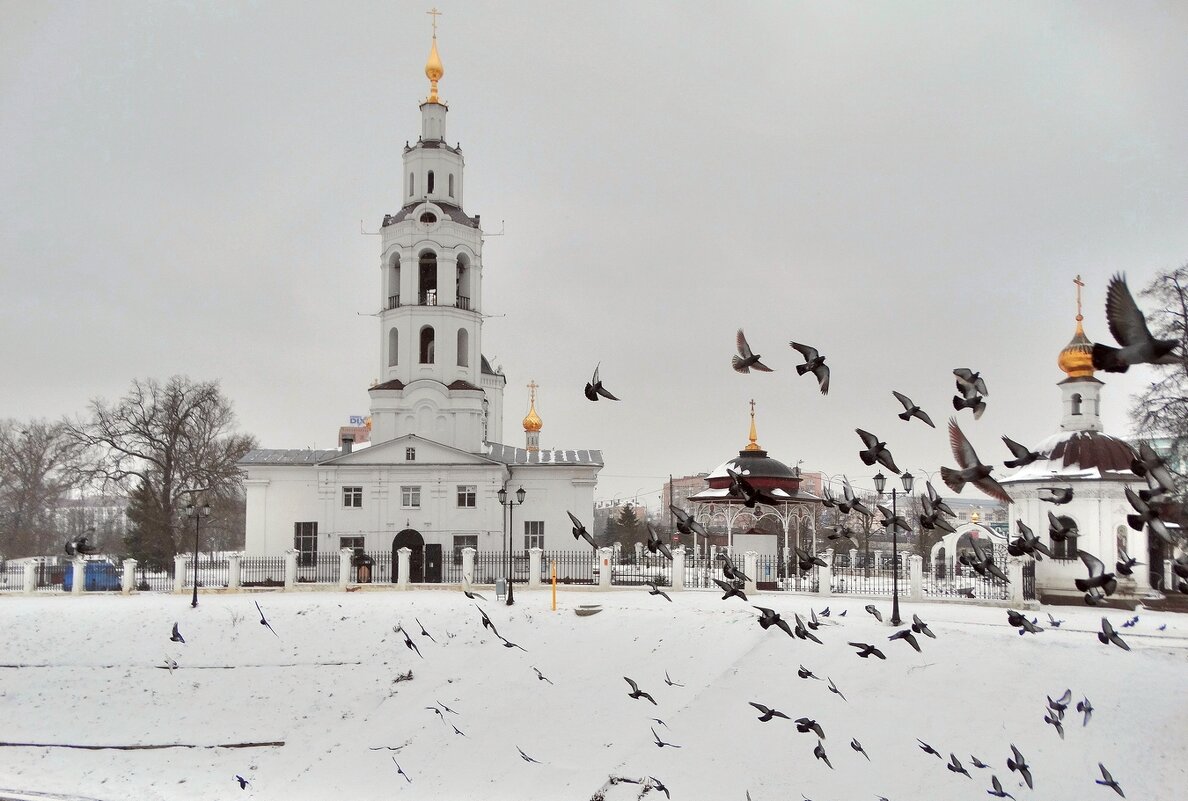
(910, 409)
(972, 470)
(814, 363)
(1129, 327)
(594, 389)
(746, 360)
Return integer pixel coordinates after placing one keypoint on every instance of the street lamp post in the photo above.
(197, 512)
(509, 504)
(880, 481)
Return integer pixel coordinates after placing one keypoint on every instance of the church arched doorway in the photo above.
(411, 539)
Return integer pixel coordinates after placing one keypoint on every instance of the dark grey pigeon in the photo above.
(751, 495)
(1098, 578)
(732, 589)
(852, 504)
(1055, 722)
(243, 783)
(655, 544)
(969, 380)
(1129, 328)
(997, 790)
(857, 746)
(833, 689)
(769, 618)
(977, 763)
(805, 673)
(176, 636)
(874, 611)
(1056, 495)
(814, 363)
(1060, 704)
(594, 389)
(1061, 529)
(805, 725)
(920, 627)
(670, 682)
(660, 743)
(1085, 708)
(1023, 456)
(928, 749)
(264, 621)
(956, 767)
(686, 523)
(938, 503)
(527, 758)
(819, 753)
(865, 650)
(1108, 635)
(910, 409)
(729, 570)
(875, 451)
(907, 636)
(540, 676)
(400, 770)
(766, 713)
(657, 591)
(971, 471)
(637, 693)
(746, 360)
(1016, 762)
(968, 399)
(580, 532)
(1125, 564)
(1151, 465)
(1107, 780)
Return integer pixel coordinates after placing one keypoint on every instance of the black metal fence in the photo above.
(50, 578)
(955, 580)
(573, 567)
(1029, 580)
(153, 580)
(262, 571)
(12, 577)
(633, 571)
(868, 576)
(323, 568)
(211, 572)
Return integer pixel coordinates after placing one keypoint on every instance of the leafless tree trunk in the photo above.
(37, 461)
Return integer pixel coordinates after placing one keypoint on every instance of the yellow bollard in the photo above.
(553, 569)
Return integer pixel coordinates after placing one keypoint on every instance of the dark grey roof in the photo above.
(510, 455)
(286, 456)
(485, 366)
(453, 212)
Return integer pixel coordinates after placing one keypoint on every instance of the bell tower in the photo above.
(435, 382)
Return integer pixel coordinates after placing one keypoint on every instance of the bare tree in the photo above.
(1161, 410)
(37, 461)
(158, 441)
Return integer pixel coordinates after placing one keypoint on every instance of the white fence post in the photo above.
(534, 567)
(402, 567)
(750, 567)
(678, 567)
(128, 579)
(290, 569)
(30, 577)
(1015, 574)
(344, 567)
(79, 566)
(179, 572)
(916, 577)
(468, 566)
(604, 568)
(825, 575)
(1169, 577)
(234, 570)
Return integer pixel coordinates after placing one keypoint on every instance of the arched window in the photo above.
(1068, 548)
(429, 182)
(394, 282)
(463, 348)
(1076, 403)
(462, 284)
(410, 184)
(428, 279)
(393, 347)
(427, 345)
(451, 184)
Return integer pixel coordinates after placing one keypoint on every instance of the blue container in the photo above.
(96, 575)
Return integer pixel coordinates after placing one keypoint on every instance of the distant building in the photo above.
(677, 491)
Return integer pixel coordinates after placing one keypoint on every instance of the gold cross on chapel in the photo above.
(532, 385)
(1079, 284)
(434, 13)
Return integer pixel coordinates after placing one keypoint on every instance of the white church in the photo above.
(429, 478)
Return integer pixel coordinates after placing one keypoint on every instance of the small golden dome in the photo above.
(974, 517)
(532, 421)
(1077, 357)
(433, 71)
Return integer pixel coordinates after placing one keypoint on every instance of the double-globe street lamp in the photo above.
(197, 512)
(509, 504)
(880, 481)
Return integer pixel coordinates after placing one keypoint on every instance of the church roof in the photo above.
(286, 456)
(453, 212)
(395, 383)
(1078, 455)
(485, 366)
(511, 455)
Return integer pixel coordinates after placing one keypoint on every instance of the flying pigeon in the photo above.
(243, 783)
(750, 494)
(1061, 528)
(400, 770)
(1126, 563)
(928, 749)
(176, 636)
(746, 360)
(1060, 704)
(874, 611)
(805, 725)
(637, 693)
(852, 504)
(1148, 514)
(1053, 622)
(967, 378)
(594, 388)
(527, 758)
(670, 682)
(686, 524)
(509, 644)
(1016, 762)
(920, 627)
(875, 451)
(729, 570)
(408, 643)
(1098, 578)
(579, 530)
(1107, 780)
(907, 636)
(660, 743)
(1107, 635)
(659, 785)
(656, 544)
(938, 503)
(1056, 495)
(264, 621)
(657, 591)
(1055, 721)
(1129, 328)
(998, 792)
(972, 470)
(857, 746)
(956, 767)
(1028, 543)
(865, 650)
(541, 677)
(890, 520)
(910, 409)
(487, 624)
(767, 713)
(802, 632)
(969, 399)
(805, 673)
(423, 632)
(731, 589)
(472, 595)
(977, 763)
(814, 363)
(833, 689)
(1086, 709)
(983, 562)
(1023, 456)
(1150, 464)
(819, 753)
(769, 618)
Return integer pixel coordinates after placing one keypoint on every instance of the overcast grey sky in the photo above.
(910, 187)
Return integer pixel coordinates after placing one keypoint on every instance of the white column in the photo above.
(344, 567)
(1015, 574)
(1169, 576)
(30, 577)
(234, 570)
(750, 567)
(402, 566)
(128, 579)
(534, 567)
(79, 566)
(825, 574)
(179, 572)
(916, 580)
(604, 568)
(290, 569)
(468, 566)
(638, 552)
(853, 557)
(678, 567)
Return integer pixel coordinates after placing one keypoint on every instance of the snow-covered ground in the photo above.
(85, 671)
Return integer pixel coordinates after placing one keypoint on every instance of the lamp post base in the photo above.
(511, 599)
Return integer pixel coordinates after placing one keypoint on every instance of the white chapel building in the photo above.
(436, 460)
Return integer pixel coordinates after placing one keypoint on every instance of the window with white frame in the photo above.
(352, 497)
(467, 496)
(305, 542)
(463, 541)
(410, 497)
(351, 542)
(533, 534)
(410, 454)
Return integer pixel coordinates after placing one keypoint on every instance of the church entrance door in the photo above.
(433, 563)
(412, 540)
(1155, 557)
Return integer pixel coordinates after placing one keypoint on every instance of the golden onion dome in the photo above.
(433, 71)
(1077, 357)
(532, 421)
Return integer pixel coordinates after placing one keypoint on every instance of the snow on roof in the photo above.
(511, 455)
(1078, 456)
(287, 456)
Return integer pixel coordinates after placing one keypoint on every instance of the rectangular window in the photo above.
(463, 541)
(466, 495)
(350, 542)
(533, 534)
(352, 497)
(410, 497)
(305, 542)
(410, 454)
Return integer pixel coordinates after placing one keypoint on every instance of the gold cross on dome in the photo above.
(752, 407)
(532, 386)
(1079, 284)
(434, 13)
